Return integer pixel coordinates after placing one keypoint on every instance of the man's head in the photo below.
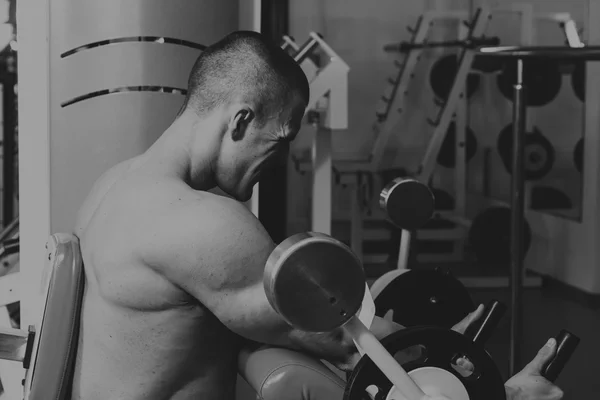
(256, 94)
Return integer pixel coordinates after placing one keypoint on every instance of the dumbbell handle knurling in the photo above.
(365, 340)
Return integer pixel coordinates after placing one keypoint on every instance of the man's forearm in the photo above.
(335, 347)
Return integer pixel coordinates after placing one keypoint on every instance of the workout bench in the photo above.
(47, 350)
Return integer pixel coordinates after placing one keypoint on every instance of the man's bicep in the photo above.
(221, 263)
(247, 312)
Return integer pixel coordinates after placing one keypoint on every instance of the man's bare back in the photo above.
(143, 337)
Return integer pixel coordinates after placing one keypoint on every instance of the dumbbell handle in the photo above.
(566, 343)
(483, 329)
(367, 342)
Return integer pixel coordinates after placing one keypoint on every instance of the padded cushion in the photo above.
(59, 331)
(281, 374)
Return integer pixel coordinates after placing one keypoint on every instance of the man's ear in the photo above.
(240, 121)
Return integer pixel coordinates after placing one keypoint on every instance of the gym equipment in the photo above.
(549, 198)
(470, 43)
(8, 247)
(302, 283)
(47, 350)
(421, 297)
(304, 273)
(443, 73)
(443, 200)
(578, 155)
(523, 55)
(543, 78)
(447, 155)
(408, 204)
(315, 285)
(434, 371)
(490, 235)
(578, 80)
(331, 80)
(486, 65)
(539, 152)
(435, 359)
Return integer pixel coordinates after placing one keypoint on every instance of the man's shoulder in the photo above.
(215, 224)
(212, 239)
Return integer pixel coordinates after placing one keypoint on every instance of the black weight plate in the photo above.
(539, 153)
(488, 65)
(549, 198)
(441, 348)
(542, 81)
(578, 80)
(443, 72)
(578, 155)
(447, 154)
(425, 297)
(489, 236)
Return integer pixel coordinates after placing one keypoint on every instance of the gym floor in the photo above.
(546, 311)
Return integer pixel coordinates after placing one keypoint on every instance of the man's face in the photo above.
(263, 147)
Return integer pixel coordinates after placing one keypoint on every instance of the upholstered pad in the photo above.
(59, 331)
(281, 374)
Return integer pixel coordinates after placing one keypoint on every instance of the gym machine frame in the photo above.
(330, 80)
(351, 170)
(521, 55)
(527, 17)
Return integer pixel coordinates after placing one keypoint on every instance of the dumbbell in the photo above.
(317, 284)
(435, 296)
(408, 204)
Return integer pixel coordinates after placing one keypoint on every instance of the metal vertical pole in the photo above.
(8, 147)
(516, 223)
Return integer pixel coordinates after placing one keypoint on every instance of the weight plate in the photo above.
(549, 198)
(424, 297)
(443, 72)
(488, 65)
(578, 80)
(539, 153)
(441, 346)
(542, 81)
(447, 155)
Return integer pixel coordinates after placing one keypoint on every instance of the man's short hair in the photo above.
(245, 65)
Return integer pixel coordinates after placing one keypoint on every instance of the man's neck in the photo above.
(175, 152)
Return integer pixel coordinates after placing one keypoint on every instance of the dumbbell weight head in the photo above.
(315, 282)
(408, 203)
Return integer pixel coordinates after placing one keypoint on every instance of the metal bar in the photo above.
(516, 223)
(8, 145)
(404, 251)
(472, 43)
(9, 230)
(305, 50)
